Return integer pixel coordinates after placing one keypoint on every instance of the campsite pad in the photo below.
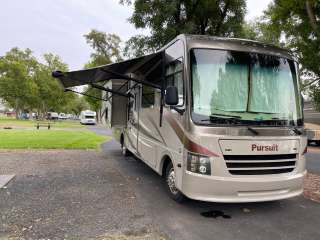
(4, 179)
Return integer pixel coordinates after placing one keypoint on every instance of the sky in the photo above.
(58, 26)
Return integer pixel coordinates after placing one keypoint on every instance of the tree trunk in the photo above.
(17, 109)
(312, 17)
(98, 112)
(223, 15)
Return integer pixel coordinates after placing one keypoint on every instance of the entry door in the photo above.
(133, 123)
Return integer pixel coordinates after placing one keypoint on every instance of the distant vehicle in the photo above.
(25, 116)
(62, 116)
(52, 116)
(88, 117)
(70, 116)
(311, 123)
(313, 133)
(34, 115)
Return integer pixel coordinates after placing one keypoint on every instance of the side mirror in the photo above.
(171, 97)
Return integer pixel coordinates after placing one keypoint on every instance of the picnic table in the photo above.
(43, 124)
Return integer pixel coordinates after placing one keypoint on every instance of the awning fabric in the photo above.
(149, 66)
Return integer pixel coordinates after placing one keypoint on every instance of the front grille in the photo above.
(260, 164)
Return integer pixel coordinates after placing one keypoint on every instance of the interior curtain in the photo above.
(221, 87)
(232, 88)
(272, 90)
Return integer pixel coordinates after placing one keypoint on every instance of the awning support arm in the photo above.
(126, 83)
(125, 77)
(84, 94)
(109, 90)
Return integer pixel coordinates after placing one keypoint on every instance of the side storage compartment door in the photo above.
(133, 120)
(149, 131)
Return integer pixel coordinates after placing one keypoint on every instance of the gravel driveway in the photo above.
(101, 194)
(67, 194)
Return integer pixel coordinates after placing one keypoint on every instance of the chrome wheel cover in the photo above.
(171, 181)
(124, 149)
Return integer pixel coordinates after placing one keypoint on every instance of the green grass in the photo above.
(50, 139)
(12, 122)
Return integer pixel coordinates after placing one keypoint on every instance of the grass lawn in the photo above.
(12, 122)
(50, 139)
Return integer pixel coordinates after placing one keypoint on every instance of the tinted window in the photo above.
(147, 96)
(174, 68)
(248, 88)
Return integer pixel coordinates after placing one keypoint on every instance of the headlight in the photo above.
(198, 164)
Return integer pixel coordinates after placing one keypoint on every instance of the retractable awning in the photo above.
(148, 66)
(146, 70)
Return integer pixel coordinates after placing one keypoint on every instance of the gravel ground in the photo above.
(312, 187)
(67, 195)
(76, 194)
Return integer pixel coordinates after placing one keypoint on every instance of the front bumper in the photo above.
(242, 189)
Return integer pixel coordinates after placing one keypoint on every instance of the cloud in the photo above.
(256, 8)
(58, 26)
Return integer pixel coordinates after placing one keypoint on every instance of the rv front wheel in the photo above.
(174, 193)
(124, 149)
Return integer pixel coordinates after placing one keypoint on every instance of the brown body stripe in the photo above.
(187, 142)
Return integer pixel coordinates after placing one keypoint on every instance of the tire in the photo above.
(173, 192)
(124, 149)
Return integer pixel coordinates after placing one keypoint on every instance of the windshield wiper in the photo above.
(253, 131)
(296, 131)
(225, 119)
(224, 115)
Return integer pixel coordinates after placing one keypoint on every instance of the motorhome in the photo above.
(88, 117)
(52, 116)
(219, 118)
(62, 116)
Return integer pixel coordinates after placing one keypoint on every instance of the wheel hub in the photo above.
(171, 181)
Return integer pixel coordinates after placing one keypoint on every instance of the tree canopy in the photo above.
(26, 84)
(299, 22)
(106, 49)
(167, 19)
(295, 24)
(17, 69)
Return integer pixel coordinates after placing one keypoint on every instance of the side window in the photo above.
(174, 68)
(174, 77)
(147, 96)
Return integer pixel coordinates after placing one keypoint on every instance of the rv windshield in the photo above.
(231, 87)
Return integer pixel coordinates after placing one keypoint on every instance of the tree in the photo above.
(137, 46)
(51, 96)
(167, 19)
(299, 23)
(17, 88)
(260, 30)
(106, 47)
(27, 85)
(77, 105)
(106, 50)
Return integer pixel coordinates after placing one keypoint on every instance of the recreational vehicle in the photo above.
(88, 117)
(220, 119)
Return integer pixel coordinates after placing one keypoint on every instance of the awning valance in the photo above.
(148, 66)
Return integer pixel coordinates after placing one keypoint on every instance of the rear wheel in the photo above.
(124, 149)
(170, 178)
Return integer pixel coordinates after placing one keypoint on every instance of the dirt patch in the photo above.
(312, 187)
